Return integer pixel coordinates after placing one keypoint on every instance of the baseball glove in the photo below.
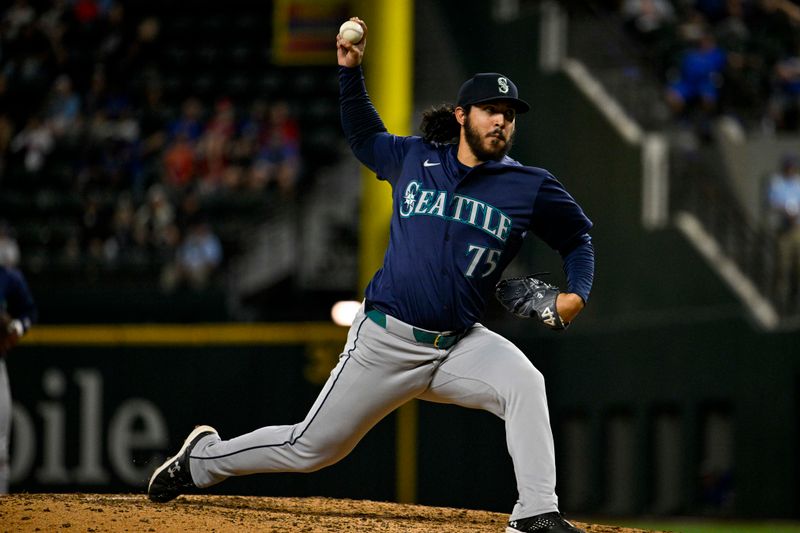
(9, 335)
(529, 297)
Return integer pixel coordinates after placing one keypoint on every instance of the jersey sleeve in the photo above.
(366, 134)
(557, 218)
(19, 300)
(560, 222)
(389, 152)
(579, 268)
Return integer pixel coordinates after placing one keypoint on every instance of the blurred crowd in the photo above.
(82, 114)
(783, 211)
(740, 57)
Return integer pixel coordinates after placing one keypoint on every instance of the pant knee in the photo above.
(316, 456)
(528, 386)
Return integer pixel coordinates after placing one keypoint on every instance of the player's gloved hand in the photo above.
(529, 297)
(10, 333)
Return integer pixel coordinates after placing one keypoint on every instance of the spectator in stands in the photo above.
(281, 120)
(63, 108)
(35, 141)
(145, 50)
(112, 48)
(189, 208)
(745, 74)
(18, 16)
(54, 20)
(110, 155)
(96, 98)
(95, 227)
(215, 145)
(774, 32)
(152, 120)
(784, 205)
(86, 11)
(196, 260)
(233, 178)
(699, 77)
(278, 157)
(6, 122)
(153, 115)
(120, 243)
(30, 64)
(783, 109)
(154, 226)
(9, 249)
(248, 140)
(223, 122)
(732, 31)
(691, 27)
(53, 24)
(179, 163)
(647, 20)
(190, 123)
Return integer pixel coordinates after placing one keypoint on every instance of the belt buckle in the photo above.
(436, 341)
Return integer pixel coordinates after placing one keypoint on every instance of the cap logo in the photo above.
(502, 85)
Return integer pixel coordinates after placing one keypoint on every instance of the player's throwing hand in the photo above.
(349, 54)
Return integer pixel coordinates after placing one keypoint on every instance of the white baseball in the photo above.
(352, 31)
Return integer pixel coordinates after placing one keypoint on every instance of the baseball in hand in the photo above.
(352, 31)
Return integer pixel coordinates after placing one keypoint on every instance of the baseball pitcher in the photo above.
(461, 209)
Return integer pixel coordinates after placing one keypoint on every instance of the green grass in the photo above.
(709, 526)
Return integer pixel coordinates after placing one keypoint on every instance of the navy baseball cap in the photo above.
(488, 87)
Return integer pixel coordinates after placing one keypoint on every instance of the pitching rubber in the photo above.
(195, 432)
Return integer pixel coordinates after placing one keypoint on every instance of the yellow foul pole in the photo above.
(388, 68)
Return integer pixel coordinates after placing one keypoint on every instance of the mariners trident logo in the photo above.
(502, 85)
(410, 198)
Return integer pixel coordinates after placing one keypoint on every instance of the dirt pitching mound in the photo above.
(134, 512)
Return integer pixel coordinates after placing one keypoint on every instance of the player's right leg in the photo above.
(376, 373)
(486, 371)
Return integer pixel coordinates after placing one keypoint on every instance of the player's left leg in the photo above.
(486, 371)
(5, 426)
(377, 372)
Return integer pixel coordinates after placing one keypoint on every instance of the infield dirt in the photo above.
(223, 514)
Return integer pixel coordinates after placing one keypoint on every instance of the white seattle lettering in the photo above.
(438, 206)
(487, 218)
(503, 227)
(475, 205)
(422, 202)
(459, 200)
(418, 201)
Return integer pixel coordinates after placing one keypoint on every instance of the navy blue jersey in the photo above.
(454, 229)
(15, 296)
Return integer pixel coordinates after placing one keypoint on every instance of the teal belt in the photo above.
(441, 340)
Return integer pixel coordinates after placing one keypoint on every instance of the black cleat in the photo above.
(173, 477)
(543, 523)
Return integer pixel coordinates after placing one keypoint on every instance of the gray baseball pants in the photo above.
(5, 426)
(379, 371)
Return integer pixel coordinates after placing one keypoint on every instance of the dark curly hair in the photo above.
(439, 125)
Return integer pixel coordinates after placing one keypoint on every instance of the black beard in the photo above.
(474, 141)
